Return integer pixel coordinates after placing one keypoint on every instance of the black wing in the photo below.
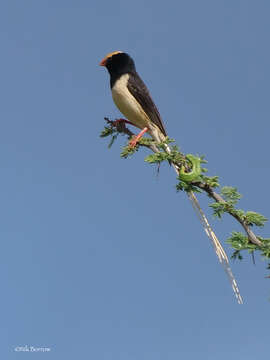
(139, 90)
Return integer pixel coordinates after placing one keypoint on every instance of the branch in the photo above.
(122, 129)
(218, 198)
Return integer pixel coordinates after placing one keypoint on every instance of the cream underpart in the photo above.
(131, 109)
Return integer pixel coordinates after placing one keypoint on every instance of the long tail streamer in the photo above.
(222, 257)
(221, 254)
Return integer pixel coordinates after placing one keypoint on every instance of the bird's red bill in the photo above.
(103, 62)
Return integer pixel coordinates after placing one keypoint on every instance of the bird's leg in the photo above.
(136, 138)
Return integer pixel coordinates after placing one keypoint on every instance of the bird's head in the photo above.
(118, 62)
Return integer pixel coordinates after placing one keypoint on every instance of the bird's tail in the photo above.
(221, 254)
(222, 257)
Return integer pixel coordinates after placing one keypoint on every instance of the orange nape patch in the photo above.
(103, 61)
(112, 53)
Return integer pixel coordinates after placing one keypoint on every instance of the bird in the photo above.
(132, 97)
(134, 101)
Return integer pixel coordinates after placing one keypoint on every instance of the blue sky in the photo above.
(99, 258)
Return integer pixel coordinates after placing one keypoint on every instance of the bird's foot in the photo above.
(133, 142)
(121, 121)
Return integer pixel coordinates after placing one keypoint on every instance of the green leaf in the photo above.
(218, 208)
(240, 242)
(114, 137)
(107, 131)
(253, 218)
(231, 194)
(194, 167)
(212, 181)
(237, 255)
(157, 157)
(187, 187)
(240, 213)
(146, 141)
(128, 151)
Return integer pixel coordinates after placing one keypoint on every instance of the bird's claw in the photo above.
(121, 122)
(132, 144)
(134, 141)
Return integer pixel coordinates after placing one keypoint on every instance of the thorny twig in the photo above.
(121, 128)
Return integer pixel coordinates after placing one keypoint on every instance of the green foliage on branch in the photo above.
(240, 242)
(225, 203)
